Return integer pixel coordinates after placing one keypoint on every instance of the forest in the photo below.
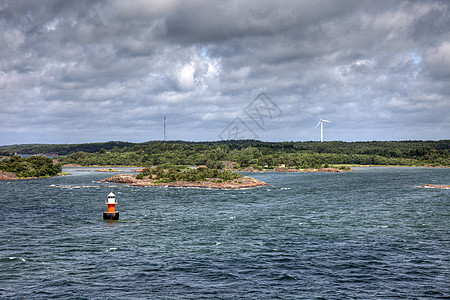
(246, 153)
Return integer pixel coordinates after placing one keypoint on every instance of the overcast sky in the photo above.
(87, 71)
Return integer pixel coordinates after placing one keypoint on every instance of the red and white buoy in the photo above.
(111, 214)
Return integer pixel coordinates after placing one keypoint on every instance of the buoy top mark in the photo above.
(111, 199)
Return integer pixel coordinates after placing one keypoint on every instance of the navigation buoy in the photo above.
(111, 214)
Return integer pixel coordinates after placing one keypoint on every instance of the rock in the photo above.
(121, 178)
(109, 170)
(435, 186)
(325, 170)
(286, 170)
(230, 165)
(330, 170)
(8, 176)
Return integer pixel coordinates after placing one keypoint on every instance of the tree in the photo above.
(34, 166)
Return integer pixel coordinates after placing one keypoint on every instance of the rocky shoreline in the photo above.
(8, 176)
(109, 170)
(210, 183)
(325, 170)
(435, 186)
(12, 176)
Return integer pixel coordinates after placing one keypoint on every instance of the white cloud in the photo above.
(185, 77)
(438, 60)
(146, 8)
(12, 38)
(70, 66)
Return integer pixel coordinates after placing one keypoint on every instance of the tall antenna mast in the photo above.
(165, 135)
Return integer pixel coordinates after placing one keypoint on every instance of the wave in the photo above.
(64, 186)
(17, 258)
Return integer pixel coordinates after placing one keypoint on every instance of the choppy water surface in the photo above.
(371, 233)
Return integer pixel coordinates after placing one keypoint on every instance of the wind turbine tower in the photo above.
(321, 127)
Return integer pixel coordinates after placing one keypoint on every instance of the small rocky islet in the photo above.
(435, 186)
(209, 183)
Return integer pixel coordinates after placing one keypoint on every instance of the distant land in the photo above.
(244, 153)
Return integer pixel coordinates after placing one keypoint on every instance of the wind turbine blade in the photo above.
(326, 121)
(318, 124)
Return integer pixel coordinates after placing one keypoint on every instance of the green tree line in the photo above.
(61, 149)
(255, 153)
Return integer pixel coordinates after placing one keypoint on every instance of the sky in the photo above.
(95, 71)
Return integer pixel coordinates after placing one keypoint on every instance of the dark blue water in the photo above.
(371, 233)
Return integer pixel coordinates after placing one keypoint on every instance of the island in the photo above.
(309, 170)
(109, 170)
(201, 177)
(17, 167)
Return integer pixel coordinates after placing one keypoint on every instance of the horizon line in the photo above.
(224, 141)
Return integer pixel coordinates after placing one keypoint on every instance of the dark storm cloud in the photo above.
(108, 70)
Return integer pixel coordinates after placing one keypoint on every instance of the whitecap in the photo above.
(18, 258)
(61, 186)
(111, 249)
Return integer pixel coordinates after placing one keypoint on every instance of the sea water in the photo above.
(370, 233)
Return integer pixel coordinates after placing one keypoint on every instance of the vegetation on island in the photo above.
(248, 153)
(34, 166)
(173, 174)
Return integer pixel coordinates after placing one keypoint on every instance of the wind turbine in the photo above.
(321, 127)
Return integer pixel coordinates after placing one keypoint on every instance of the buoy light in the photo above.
(111, 214)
